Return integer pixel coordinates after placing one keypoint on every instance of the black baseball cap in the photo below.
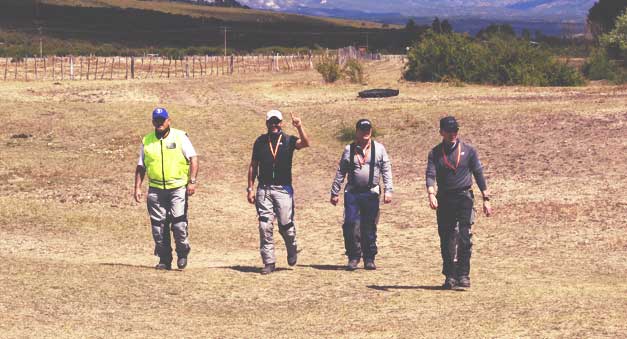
(449, 124)
(363, 124)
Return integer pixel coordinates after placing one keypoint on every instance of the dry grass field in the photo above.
(76, 251)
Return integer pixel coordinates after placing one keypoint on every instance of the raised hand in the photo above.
(296, 121)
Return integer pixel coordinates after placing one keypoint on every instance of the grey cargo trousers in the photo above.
(275, 202)
(168, 208)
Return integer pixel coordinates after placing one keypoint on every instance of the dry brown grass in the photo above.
(76, 251)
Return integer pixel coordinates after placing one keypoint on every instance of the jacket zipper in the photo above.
(162, 164)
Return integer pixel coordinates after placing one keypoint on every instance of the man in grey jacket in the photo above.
(365, 161)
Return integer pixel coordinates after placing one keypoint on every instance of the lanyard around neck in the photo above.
(459, 156)
(275, 150)
(362, 160)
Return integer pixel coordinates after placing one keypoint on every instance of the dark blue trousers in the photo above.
(361, 214)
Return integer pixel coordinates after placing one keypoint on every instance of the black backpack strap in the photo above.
(372, 162)
(351, 161)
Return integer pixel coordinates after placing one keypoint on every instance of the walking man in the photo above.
(365, 161)
(451, 164)
(274, 199)
(169, 158)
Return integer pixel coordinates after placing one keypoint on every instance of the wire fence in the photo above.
(57, 68)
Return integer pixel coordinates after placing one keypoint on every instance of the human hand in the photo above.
(138, 195)
(251, 197)
(191, 189)
(296, 121)
(433, 201)
(487, 209)
(334, 200)
(387, 198)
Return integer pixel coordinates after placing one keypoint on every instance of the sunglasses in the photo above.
(274, 121)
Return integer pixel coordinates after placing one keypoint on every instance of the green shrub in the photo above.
(329, 69)
(354, 71)
(598, 66)
(500, 60)
(347, 134)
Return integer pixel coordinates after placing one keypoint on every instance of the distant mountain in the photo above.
(555, 10)
(468, 24)
(216, 3)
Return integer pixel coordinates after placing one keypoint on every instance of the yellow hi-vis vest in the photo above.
(166, 166)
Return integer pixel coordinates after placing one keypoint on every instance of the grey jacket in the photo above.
(361, 173)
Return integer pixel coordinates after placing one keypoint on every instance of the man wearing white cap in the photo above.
(272, 163)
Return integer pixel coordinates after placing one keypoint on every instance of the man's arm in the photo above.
(140, 173)
(430, 180)
(340, 174)
(252, 174)
(477, 171)
(193, 173)
(303, 140)
(386, 172)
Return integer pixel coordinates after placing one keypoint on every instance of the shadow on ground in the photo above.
(127, 265)
(250, 269)
(388, 288)
(326, 267)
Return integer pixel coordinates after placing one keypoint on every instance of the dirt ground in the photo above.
(76, 251)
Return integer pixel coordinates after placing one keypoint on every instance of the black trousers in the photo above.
(455, 216)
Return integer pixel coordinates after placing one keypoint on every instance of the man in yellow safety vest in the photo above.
(171, 162)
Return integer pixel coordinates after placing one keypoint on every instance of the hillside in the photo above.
(146, 24)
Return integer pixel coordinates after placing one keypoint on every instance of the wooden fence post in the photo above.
(26, 68)
(88, 66)
(132, 67)
(36, 75)
(6, 68)
(96, 70)
(112, 65)
(62, 69)
(53, 73)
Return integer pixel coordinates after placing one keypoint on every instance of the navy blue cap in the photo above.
(363, 124)
(449, 124)
(160, 113)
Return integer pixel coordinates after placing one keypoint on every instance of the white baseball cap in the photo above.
(274, 113)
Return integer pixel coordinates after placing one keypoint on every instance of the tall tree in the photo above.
(447, 28)
(602, 16)
(436, 25)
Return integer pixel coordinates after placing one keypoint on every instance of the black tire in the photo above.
(378, 93)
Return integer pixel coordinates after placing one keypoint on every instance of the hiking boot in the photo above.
(369, 264)
(352, 264)
(449, 283)
(292, 257)
(163, 265)
(181, 262)
(463, 281)
(269, 268)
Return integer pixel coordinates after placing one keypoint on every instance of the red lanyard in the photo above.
(459, 156)
(276, 149)
(362, 160)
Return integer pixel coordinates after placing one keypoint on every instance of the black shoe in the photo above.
(449, 283)
(352, 264)
(181, 262)
(163, 266)
(292, 257)
(464, 281)
(369, 264)
(269, 268)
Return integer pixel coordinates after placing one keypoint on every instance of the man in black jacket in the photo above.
(451, 164)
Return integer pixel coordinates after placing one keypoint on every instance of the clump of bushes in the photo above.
(499, 60)
(347, 133)
(329, 68)
(354, 71)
